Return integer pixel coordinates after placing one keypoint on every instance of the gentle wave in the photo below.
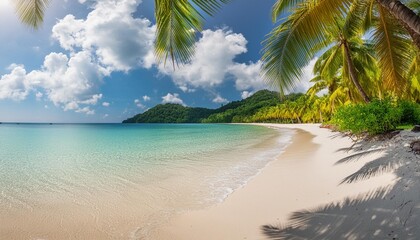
(130, 177)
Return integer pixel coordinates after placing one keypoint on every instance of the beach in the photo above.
(316, 190)
(215, 182)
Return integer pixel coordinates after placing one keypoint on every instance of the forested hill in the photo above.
(232, 112)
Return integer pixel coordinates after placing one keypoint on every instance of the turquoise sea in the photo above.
(115, 181)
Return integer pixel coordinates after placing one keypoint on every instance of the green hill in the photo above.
(232, 112)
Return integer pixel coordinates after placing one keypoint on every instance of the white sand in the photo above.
(300, 195)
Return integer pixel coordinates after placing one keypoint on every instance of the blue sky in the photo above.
(92, 61)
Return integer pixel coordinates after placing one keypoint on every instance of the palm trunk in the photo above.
(353, 74)
(409, 19)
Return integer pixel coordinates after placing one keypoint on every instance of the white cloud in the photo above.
(139, 104)
(106, 104)
(69, 82)
(214, 53)
(219, 99)
(39, 95)
(14, 85)
(120, 41)
(247, 76)
(146, 98)
(303, 84)
(172, 98)
(246, 94)
(213, 63)
(71, 106)
(86, 110)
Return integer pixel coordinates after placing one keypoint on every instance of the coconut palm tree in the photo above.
(293, 43)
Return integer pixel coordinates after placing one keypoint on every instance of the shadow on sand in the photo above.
(391, 212)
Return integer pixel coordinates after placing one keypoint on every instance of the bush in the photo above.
(410, 112)
(373, 118)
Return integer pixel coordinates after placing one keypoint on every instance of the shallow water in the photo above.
(113, 181)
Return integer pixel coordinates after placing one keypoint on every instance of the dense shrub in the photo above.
(373, 118)
(410, 112)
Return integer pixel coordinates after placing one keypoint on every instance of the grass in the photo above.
(405, 127)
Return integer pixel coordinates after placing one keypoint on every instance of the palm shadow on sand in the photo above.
(391, 212)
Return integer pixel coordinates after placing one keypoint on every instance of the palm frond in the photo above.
(392, 47)
(282, 6)
(291, 45)
(177, 23)
(414, 5)
(31, 12)
(332, 64)
(355, 21)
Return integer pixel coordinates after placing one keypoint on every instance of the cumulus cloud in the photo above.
(214, 62)
(120, 41)
(69, 82)
(14, 85)
(247, 76)
(219, 99)
(246, 94)
(106, 104)
(172, 98)
(86, 110)
(146, 98)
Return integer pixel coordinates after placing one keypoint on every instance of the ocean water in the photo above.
(114, 181)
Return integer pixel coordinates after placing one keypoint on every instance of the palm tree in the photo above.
(293, 43)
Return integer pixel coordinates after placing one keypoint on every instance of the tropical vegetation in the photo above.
(236, 111)
(376, 117)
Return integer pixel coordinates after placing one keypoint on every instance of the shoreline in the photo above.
(306, 175)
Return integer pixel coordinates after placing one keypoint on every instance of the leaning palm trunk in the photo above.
(352, 72)
(409, 19)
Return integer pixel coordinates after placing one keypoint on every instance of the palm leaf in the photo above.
(31, 12)
(392, 46)
(291, 45)
(282, 6)
(177, 22)
(356, 17)
(414, 5)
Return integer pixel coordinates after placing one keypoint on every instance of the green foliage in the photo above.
(373, 118)
(242, 111)
(170, 113)
(410, 113)
(236, 111)
(300, 109)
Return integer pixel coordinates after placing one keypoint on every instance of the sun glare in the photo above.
(5, 4)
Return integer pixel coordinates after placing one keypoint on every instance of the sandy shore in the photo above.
(314, 190)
